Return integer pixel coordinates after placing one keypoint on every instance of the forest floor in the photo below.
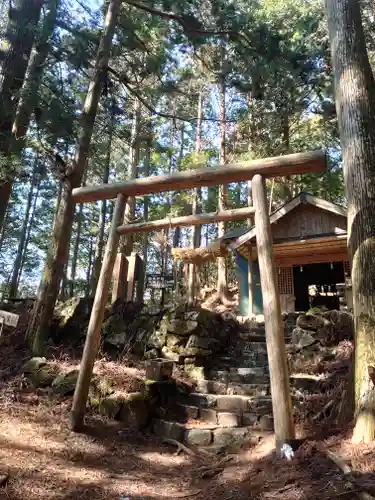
(41, 458)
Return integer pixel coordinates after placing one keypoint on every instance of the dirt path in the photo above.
(45, 460)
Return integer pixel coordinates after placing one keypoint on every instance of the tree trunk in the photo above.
(89, 268)
(147, 162)
(18, 260)
(222, 272)
(20, 33)
(127, 243)
(30, 226)
(102, 217)
(57, 257)
(73, 269)
(29, 94)
(355, 104)
(193, 273)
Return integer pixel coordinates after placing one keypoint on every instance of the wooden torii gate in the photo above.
(257, 170)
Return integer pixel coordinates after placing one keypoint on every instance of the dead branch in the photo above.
(348, 471)
(180, 447)
(323, 412)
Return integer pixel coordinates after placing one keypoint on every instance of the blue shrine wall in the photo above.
(242, 273)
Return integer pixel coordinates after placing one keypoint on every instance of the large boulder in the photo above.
(201, 342)
(65, 383)
(311, 322)
(71, 319)
(181, 327)
(340, 327)
(134, 410)
(39, 372)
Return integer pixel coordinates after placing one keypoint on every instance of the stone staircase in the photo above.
(231, 404)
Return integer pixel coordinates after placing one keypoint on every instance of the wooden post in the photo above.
(119, 271)
(95, 325)
(280, 390)
(141, 279)
(132, 260)
(250, 282)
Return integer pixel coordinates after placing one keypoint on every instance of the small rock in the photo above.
(266, 423)
(211, 387)
(306, 340)
(195, 341)
(164, 428)
(173, 340)
(134, 411)
(198, 437)
(208, 415)
(298, 333)
(159, 369)
(226, 419)
(152, 354)
(111, 405)
(310, 322)
(229, 403)
(250, 419)
(3, 479)
(33, 365)
(173, 356)
(116, 339)
(196, 373)
(234, 436)
(182, 328)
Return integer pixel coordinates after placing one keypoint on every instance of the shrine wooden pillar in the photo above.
(92, 342)
(277, 360)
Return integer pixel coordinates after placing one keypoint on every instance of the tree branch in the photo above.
(125, 82)
(178, 18)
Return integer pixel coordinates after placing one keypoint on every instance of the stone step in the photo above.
(221, 388)
(207, 435)
(214, 417)
(231, 403)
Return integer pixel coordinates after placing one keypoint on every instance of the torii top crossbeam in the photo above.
(298, 163)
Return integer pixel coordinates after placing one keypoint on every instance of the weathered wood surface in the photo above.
(188, 220)
(298, 163)
(307, 220)
(279, 378)
(96, 319)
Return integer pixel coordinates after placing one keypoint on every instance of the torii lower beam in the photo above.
(188, 220)
(297, 163)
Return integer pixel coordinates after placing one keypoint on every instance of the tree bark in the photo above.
(193, 273)
(19, 36)
(222, 271)
(355, 104)
(57, 257)
(127, 243)
(102, 217)
(297, 163)
(77, 240)
(30, 226)
(29, 93)
(18, 260)
(147, 162)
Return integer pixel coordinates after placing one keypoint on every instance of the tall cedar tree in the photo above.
(19, 36)
(355, 104)
(58, 253)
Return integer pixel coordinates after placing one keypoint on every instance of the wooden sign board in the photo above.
(159, 282)
(9, 319)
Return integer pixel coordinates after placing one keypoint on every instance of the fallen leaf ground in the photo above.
(45, 460)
